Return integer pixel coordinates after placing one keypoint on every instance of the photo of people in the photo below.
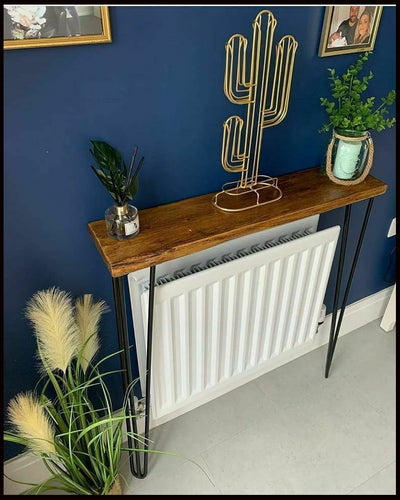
(44, 25)
(44, 21)
(344, 34)
(363, 27)
(349, 28)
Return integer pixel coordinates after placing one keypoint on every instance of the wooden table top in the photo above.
(183, 227)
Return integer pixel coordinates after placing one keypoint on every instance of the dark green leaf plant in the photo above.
(347, 110)
(121, 182)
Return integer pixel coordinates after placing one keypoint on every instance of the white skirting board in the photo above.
(389, 317)
(30, 469)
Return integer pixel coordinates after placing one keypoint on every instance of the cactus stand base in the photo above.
(234, 198)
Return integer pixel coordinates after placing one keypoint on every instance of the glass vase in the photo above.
(122, 221)
(349, 156)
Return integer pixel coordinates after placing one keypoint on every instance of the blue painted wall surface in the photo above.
(158, 85)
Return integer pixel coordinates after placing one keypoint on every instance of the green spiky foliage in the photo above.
(68, 419)
(120, 182)
(348, 110)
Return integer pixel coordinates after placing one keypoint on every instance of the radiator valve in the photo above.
(322, 316)
(140, 407)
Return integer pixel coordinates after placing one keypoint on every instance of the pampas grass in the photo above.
(51, 314)
(87, 315)
(29, 420)
(79, 441)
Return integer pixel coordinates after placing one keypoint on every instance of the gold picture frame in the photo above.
(30, 26)
(361, 34)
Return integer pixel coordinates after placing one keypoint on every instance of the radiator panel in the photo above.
(219, 327)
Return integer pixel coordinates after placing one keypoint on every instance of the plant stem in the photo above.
(131, 167)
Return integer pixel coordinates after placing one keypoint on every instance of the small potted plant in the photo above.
(122, 219)
(350, 152)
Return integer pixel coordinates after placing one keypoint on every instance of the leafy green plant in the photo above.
(79, 441)
(348, 110)
(113, 173)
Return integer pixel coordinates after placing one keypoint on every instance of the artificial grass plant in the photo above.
(79, 441)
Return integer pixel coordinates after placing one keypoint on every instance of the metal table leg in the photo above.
(335, 326)
(138, 467)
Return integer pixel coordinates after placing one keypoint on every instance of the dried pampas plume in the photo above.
(52, 316)
(30, 421)
(88, 315)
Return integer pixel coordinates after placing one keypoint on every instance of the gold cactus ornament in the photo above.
(267, 105)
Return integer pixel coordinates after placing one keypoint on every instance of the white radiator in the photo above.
(229, 314)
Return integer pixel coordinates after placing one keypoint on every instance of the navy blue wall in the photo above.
(158, 85)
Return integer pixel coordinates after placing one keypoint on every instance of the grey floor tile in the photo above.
(186, 479)
(382, 483)
(207, 425)
(291, 431)
(367, 360)
(295, 452)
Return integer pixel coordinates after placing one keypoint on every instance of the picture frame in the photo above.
(340, 36)
(31, 26)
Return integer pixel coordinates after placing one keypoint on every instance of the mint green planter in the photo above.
(349, 156)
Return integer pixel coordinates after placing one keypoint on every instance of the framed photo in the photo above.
(349, 29)
(30, 26)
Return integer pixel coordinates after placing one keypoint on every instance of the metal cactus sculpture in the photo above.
(267, 104)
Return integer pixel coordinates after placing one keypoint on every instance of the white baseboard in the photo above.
(28, 468)
(358, 314)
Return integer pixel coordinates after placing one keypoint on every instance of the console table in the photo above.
(180, 228)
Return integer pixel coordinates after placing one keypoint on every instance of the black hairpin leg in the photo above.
(138, 468)
(335, 326)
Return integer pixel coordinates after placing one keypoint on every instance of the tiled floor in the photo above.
(290, 431)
